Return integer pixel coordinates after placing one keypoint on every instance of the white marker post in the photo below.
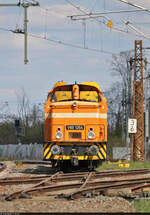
(132, 126)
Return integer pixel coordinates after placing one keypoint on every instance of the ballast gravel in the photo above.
(50, 204)
(43, 203)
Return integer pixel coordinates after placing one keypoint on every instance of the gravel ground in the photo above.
(50, 203)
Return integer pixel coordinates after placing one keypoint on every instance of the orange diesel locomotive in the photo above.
(75, 125)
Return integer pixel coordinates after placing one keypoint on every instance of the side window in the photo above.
(53, 99)
(48, 96)
(99, 98)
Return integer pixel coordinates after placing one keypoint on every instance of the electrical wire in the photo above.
(71, 45)
(97, 14)
(84, 12)
(77, 7)
(134, 5)
(64, 43)
(137, 30)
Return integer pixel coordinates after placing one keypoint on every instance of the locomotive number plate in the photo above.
(75, 127)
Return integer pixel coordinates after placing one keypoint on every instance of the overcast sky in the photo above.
(50, 62)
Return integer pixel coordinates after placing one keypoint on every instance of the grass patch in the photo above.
(142, 205)
(133, 165)
(6, 159)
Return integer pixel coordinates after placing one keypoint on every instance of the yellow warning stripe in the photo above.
(99, 154)
(102, 151)
(46, 150)
(47, 153)
(45, 145)
(104, 145)
(48, 156)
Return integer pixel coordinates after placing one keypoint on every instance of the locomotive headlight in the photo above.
(58, 135)
(91, 135)
(74, 104)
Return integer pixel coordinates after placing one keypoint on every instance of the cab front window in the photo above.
(89, 93)
(91, 96)
(59, 96)
(86, 93)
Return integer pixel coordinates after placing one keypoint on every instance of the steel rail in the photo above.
(112, 171)
(103, 184)
(23, 178)
(21, 181)
(138, 187)
(102, 188)
(137, 171)
(18, 193)
(54, 187)
(72, 176)
(35, 162)
(59, 178)
(97, 175)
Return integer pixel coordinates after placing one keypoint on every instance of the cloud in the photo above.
(96, 61)
(5, 93)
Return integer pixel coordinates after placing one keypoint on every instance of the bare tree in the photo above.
(114, 101)
(121, 66)
(23, 107)
(36, 114)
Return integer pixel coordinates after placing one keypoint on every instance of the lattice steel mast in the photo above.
(138, 113)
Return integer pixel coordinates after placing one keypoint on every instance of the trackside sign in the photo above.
(132, 126)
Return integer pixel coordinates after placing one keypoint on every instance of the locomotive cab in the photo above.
(75, 125)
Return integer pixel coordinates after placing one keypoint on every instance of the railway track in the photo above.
(2, 166)
(71, 176)
(79, 184)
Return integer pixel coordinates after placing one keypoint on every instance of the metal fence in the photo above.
(121, 153)
(31, 151)
(125, 153)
